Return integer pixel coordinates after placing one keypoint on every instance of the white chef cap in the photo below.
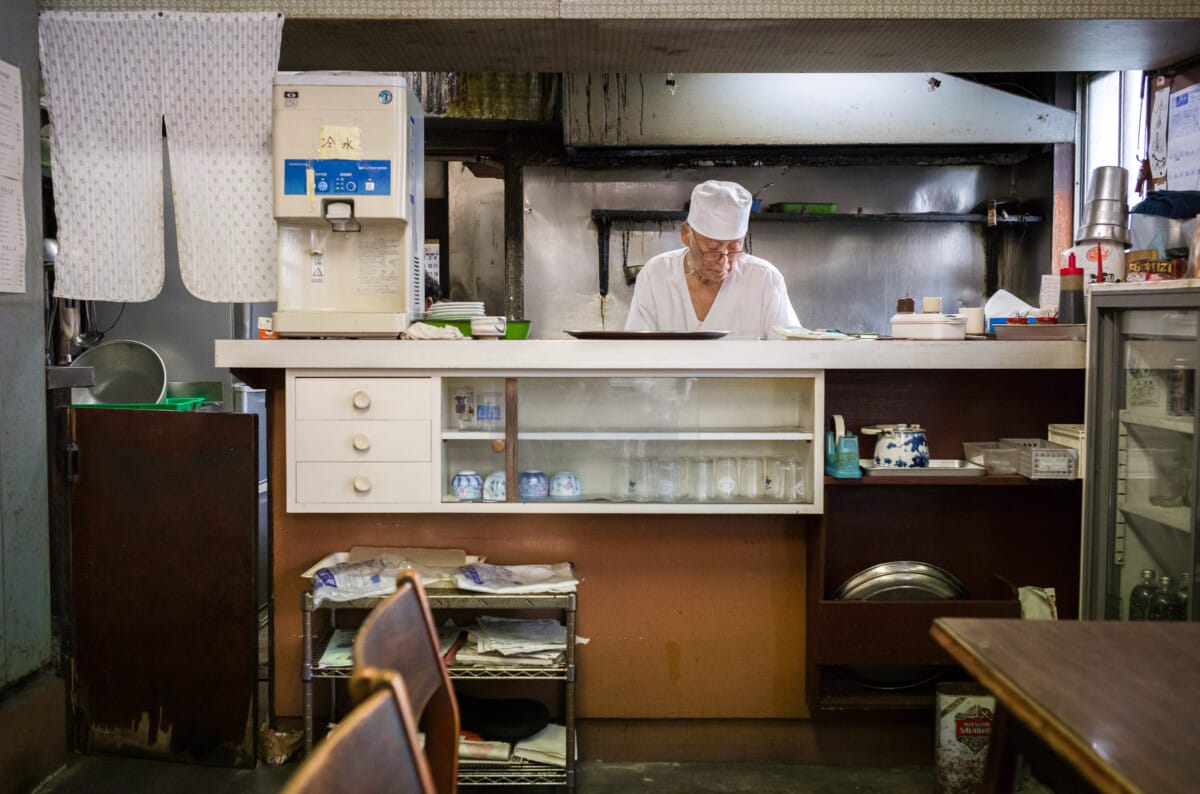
(720, 210)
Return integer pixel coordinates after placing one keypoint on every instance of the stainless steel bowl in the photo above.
(125, 372)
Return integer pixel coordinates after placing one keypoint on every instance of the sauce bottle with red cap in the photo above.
(1070, 293)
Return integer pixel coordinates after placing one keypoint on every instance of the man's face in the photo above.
(712, 260)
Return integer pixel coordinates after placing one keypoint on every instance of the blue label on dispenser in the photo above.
(338, 177)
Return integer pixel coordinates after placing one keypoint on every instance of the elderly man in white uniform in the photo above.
(712, 284)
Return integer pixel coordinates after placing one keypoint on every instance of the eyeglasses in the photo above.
(716, 256)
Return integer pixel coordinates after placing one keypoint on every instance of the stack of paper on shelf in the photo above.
(509, 641)
(339, 651)
(370, 571)
(472, 747)
(547, 746)
(484, 578)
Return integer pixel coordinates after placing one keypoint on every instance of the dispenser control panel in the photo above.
(337, 177)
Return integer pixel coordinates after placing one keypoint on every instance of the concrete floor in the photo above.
(98, 774)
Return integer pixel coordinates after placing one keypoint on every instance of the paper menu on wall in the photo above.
(1183, 140)
(12, 198)
(12, 126)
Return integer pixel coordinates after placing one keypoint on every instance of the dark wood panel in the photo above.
(163, 551)
(882, 632)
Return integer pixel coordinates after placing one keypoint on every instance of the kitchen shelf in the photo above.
(609, 217)
(782, 434)
(519, 772)
(605, 220)
(1174, 517)
(986, 480)
(1178, 424)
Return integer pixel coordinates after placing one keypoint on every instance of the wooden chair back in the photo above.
(399, 638)
(374, 750)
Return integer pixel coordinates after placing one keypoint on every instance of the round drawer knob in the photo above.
(362, 399)
(361, 442)
(362, 483)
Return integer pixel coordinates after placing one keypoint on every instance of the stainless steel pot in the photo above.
(126, 372)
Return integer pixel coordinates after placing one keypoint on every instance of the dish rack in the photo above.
(1039, 459)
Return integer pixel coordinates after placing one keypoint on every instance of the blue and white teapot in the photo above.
(899, 446)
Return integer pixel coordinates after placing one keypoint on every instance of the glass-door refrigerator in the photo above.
(1140, 519)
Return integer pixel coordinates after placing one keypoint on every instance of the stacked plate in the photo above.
(903, 580)
(455, 310)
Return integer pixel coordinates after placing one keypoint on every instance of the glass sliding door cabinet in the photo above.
(1140, 519)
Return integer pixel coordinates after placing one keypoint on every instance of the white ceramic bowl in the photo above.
(488, 327)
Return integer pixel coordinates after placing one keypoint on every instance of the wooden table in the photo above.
(1113, 705)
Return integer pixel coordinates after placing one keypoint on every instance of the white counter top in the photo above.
(513, 356)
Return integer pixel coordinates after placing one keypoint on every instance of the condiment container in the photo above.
(929, 326)
(1070, 294)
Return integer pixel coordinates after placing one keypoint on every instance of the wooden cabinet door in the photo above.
(163, 610)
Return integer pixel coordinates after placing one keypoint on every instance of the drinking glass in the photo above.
(725, 482)
(750, 478)
(666, 478)
(788, 477)
(624, 485)
(772, 487)
(702, 474)
(645, 488)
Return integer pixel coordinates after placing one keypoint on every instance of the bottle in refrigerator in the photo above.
(1185, 592)
(1166, 603)
(1181, 389)
(1141, 596)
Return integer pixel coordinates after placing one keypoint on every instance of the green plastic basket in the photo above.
(168, 404)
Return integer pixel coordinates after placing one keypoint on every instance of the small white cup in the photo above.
(974, 315)
(931, 305)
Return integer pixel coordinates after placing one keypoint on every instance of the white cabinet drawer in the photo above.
(363, 483)
(363, 398)
(397, 440)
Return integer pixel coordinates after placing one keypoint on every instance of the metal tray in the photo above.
(909, 580)
(647, 334)
(936, 468)
(1069, 332)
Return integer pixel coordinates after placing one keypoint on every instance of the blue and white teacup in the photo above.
(467, 486)
(565, 485)
(495, 487)
(533, 485)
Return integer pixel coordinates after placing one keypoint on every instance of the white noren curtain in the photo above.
(112, 79)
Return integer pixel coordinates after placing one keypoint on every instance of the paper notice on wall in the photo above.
(1158, 137)
(339, 143)
(12, 236)
(1183, 140)
(12, 135)
(12, 162)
